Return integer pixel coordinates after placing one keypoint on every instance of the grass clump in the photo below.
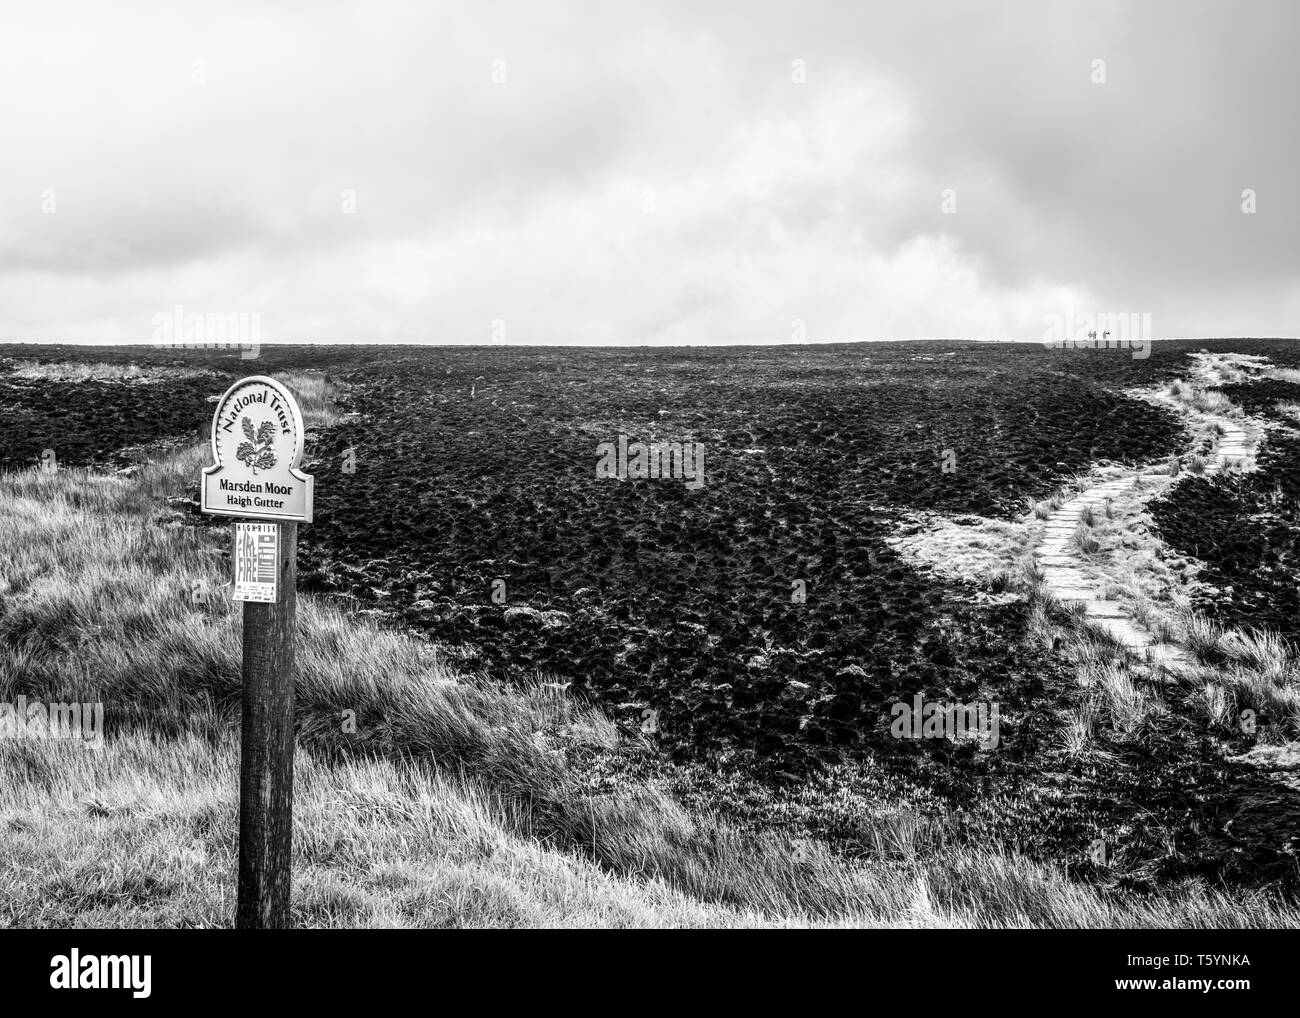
(1085, 540)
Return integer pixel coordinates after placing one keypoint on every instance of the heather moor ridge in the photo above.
(1008, 627)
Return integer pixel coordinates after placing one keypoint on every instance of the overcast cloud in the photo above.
(648, 173)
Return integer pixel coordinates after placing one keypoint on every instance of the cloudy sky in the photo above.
(658, 172)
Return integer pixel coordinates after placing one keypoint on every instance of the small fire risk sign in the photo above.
(257, 558)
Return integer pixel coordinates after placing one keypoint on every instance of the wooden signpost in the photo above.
(257, 444)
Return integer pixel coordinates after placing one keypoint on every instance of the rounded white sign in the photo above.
(257, 443)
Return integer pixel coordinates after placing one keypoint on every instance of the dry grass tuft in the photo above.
(315, 394)
(1085, 540)
(65, 371)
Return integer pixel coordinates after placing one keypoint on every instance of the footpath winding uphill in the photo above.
(1065, 569)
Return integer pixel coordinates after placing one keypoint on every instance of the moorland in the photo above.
(681, 693)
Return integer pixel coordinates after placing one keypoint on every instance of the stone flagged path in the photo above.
(1064, 567)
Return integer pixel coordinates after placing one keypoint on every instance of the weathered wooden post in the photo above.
(257, 444)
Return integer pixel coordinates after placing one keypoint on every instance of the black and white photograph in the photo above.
(791, 465)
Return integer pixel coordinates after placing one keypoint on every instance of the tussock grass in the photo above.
(1224, 372)
(1153, 619)
(1202, 400)
(378, 842)
(982, 550)
(388, 843)
(1028, 577)
(1258, 649)
(1126, 705)
(1044, 509)
(1041, 629)
(315, 394)
(1220, 704)
(1079, 732)
(65, 371)
(1202, 637)
(1113, 695)
(1085, 540)
(1067, 629)
(1091, 646)
(1291, 410)
(1210, 401)
(1253, 669)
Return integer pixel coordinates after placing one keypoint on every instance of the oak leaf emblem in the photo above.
(258, 452)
